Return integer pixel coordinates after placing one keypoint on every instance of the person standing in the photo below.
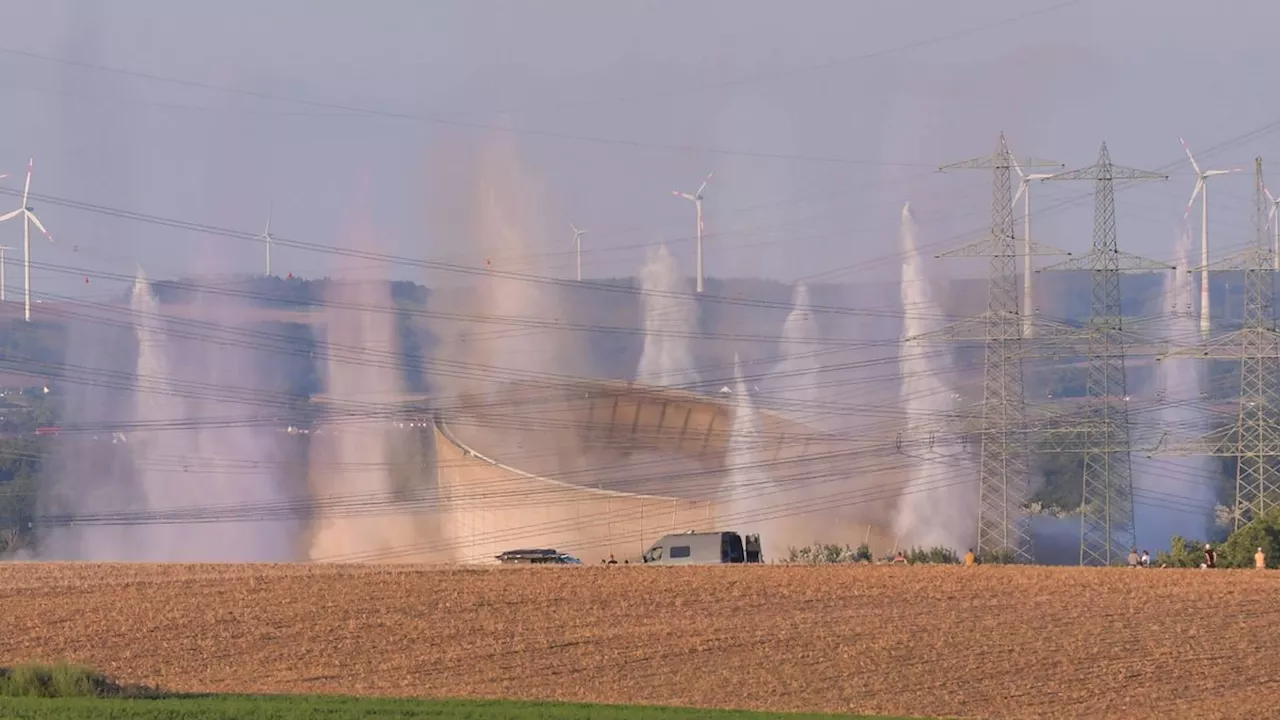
(1210, 557)
(1260, 560)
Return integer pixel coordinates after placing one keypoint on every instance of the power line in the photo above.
(449, 122)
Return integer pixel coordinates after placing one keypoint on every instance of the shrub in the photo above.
(933, 556)
(62, 680)
(1263, 532)
(1183, 553)
(863, 553)
(997, 557)
(833, 554)
(819, 554)
(10, 540)
(1238, 549)
(802, 555)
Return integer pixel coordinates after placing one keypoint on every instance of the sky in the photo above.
(819, 119)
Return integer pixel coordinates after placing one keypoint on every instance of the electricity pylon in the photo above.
(1254, 439)
(1106, 512)
(1004, 483)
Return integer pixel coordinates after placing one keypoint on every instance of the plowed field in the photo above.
(986, 642)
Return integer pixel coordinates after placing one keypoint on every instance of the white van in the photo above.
(704, 548)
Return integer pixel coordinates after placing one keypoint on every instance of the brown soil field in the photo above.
(922, 641)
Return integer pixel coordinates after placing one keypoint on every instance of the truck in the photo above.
(704, 548)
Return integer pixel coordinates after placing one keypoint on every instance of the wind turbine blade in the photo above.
(1194, 192)
(270, 208)
(1211, 173)
(1022, 187)
(3, 175)
(686, 196)
(1189, 155)
(703, 186)
(10, 215)
(27, 188)
(1017, 168)
(38, 224)
(1267, 190)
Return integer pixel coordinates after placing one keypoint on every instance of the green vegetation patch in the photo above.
(62, 680)
(74, 692)
(232, 707)
(1238, 549)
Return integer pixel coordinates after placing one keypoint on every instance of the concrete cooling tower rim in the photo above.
(466, 449)
(490, 505)
(787, 428)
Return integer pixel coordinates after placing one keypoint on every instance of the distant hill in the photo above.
(742, 316)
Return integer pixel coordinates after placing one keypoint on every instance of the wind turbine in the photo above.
(3, 265)
(1202, 189)
(1024, 192)
(28, 216)
(267, 237)
(697, 203)
(577, 246)
(1271, 218)
(3, 250)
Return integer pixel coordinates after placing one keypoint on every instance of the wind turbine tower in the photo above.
(1274, 221)
(28, 217)
(268, 238)
(697, 203)
(577, 247)
(1028, 295)
(1202, 189)
(3, 265)
(3, 250)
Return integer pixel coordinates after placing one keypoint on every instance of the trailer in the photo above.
(536, 556)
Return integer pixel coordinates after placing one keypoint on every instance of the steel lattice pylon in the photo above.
(1258, 442)
(1004, 485)
(1106, 513)
(1254, 439)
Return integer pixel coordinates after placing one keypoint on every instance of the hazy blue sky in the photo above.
(831, 115)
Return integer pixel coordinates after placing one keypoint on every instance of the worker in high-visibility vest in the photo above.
(1260, 560)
